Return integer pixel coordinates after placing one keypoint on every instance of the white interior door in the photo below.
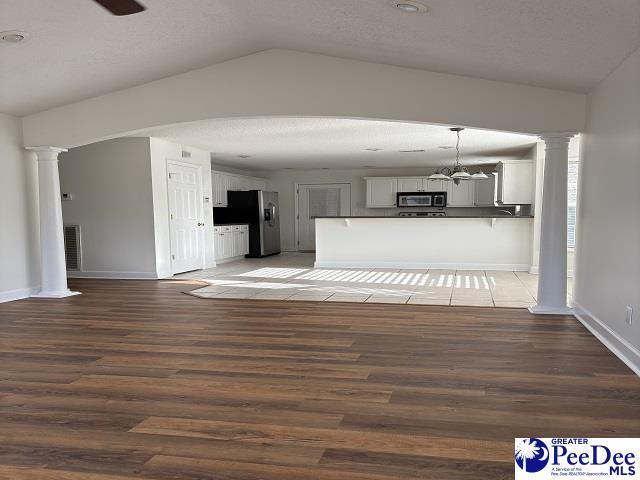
(185, 217)
(319, 200)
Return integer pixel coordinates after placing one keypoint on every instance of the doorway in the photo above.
(318, 200)
(186, 222)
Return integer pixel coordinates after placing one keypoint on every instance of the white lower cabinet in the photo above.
(231, 241)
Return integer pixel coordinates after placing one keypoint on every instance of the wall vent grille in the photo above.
(72, 247)
(186, 154)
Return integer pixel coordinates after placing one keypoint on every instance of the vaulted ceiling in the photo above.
(77, 50)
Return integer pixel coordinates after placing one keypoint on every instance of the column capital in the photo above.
(47, 152)
(557, 138)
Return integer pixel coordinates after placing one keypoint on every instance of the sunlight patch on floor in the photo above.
(293, 277)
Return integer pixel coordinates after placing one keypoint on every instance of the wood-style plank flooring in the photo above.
(134, 379)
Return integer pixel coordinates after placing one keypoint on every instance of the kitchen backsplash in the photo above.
(450, 211)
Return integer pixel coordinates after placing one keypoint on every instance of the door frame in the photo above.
(296, 213)
(201, 236)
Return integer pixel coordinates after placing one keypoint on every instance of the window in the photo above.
(572, 195)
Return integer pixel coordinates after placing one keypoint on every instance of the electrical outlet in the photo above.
(629, 315)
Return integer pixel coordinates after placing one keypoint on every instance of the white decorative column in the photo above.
(552, 273)
(53, 270)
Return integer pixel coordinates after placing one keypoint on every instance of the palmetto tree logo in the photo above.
(532, 455)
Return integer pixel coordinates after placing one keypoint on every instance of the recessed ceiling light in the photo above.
(368, 166)
(411, 151)
(445, 147)
(373, 149)
(244, 156)
(409, 6)
(13, 36)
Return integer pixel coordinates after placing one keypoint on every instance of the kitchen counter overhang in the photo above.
(461, 243)
(424, 216)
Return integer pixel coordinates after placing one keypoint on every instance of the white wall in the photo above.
(19, 232)
(161, 151)
(120, 201)
(112, 202)
(288, 83)
(608, 237)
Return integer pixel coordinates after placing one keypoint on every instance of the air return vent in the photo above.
(72, 247)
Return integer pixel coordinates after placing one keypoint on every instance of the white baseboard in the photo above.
(609, 338)
(115, 275)
(11, 295)
(519, 267)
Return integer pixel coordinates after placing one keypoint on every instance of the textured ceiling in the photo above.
(274, 143)
(77, 50)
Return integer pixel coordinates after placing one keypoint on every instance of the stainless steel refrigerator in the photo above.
(260, 210)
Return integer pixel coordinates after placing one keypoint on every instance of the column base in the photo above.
(59, 294)
(544, 310)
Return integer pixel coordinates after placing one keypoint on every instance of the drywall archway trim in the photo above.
(289, 83)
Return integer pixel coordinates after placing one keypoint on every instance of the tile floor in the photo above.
(291, 276)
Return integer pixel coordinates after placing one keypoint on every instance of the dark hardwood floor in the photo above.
(137, 380)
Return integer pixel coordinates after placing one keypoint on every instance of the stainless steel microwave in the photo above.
(422, 199)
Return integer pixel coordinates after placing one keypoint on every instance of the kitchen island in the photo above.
(460, 243)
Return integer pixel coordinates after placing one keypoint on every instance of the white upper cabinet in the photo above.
(435, 185)
(219, 189)
(223, 182)
(486, 191)
(516, 180)
(410, 184)
(381, 192)
(420, 184)
(461, 195)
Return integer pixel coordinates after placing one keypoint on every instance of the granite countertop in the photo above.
(424, 217)
(226, 224)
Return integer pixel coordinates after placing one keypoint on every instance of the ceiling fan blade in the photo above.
(122, 7)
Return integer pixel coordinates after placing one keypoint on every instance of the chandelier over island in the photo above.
(459, 172)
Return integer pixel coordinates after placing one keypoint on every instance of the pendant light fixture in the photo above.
(459, 172)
